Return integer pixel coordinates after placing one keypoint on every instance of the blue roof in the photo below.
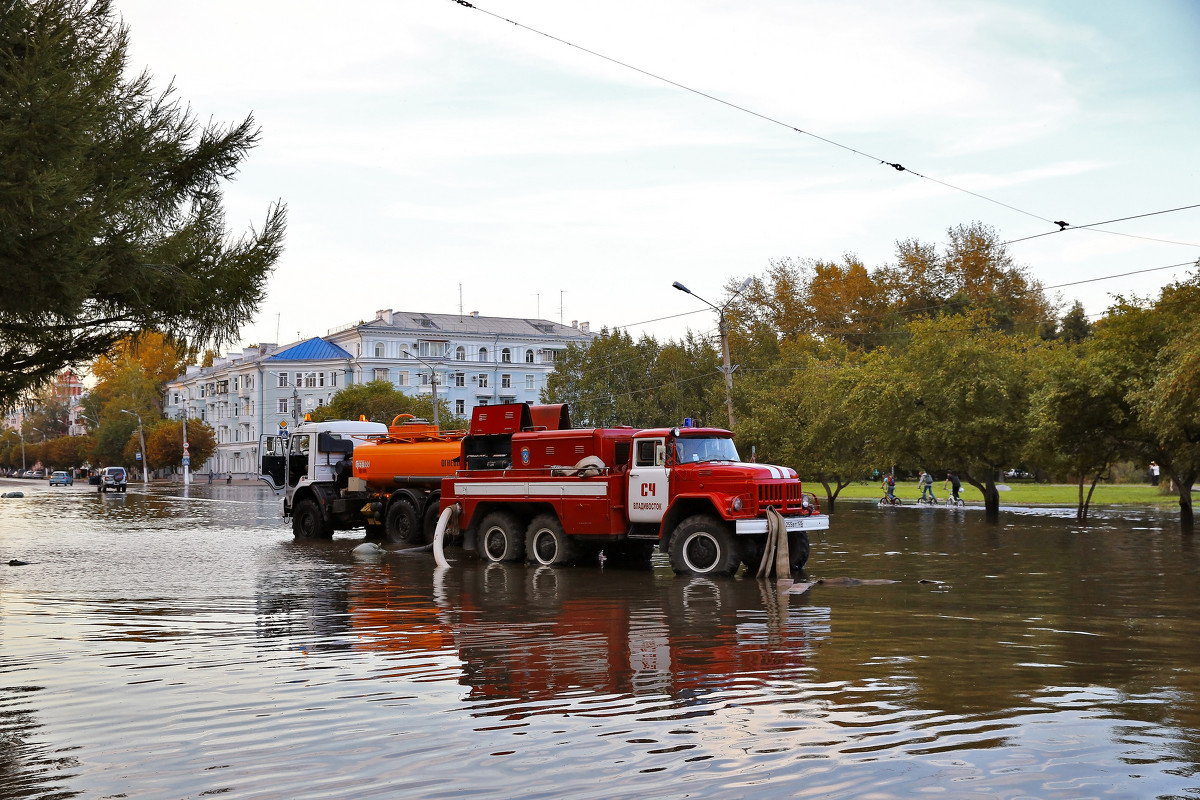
(314, 349)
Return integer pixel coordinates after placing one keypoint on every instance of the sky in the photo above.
(436, 158)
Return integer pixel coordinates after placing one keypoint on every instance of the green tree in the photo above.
(956, 397)
(1151, 350)
(809, 423)
(379, 401)
(1078, 418)
(111, 213)
(617, 381)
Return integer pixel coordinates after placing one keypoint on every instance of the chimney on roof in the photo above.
(574, 323)
(385, 315)
(474, 313)
(585, 327)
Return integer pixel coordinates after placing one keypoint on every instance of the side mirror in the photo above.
(660, 454)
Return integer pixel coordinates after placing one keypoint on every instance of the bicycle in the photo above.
(889, 500)
(956, 502)
(927, 500)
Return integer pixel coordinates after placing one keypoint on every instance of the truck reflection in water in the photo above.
(538, 634)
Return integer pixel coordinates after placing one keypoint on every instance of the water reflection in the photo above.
(169, 646)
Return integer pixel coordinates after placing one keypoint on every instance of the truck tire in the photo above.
(798, 548)
(400, 524)
(501, 538)
(307, 522)
(546, 544)
(430, 521)
(704, 545)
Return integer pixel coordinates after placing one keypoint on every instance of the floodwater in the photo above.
(158, 646)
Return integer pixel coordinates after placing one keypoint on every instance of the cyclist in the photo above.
(926, 481)
(889, 484)
(955, 484)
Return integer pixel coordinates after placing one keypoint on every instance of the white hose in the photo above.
(439, 534)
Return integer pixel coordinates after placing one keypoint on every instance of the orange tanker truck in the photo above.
(342, 474)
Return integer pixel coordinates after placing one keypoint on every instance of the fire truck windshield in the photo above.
(704, 448)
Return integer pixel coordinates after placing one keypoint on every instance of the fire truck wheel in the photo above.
(703, 545)
(429, 525)
(501, 537)
(546, 543)
(798, 548)
(400, 524)
(307, 522)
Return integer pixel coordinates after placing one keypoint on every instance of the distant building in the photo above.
(475, 360)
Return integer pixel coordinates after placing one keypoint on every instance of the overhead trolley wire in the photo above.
(1063, 227)
(894, 165)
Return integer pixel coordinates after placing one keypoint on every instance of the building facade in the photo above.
(475, 361)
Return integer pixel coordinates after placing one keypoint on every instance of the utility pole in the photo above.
(432, 384)
(724, 329)
(142, 440)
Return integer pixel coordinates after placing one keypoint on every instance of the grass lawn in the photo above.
(1022, 493)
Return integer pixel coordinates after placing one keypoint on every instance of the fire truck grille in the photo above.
(782, 496)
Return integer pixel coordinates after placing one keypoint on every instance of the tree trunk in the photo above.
(991, 496)
(991, 500)
(1081, 508)
(1088, 502)
(830, 495)
(1186, 519)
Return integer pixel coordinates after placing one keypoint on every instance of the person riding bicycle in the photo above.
(926, 481)
(889, 485)
(955, 484)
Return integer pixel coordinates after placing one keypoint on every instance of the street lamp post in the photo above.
(187, 457)
(432, 383)
(142, 440)
(22, 435)
(723, 328)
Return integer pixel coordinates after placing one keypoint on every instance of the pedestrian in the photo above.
(228, 478)
(1154, 473)
(955, 483)
(210, 477)
(926, 481)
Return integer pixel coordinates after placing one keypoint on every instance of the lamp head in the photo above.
(681, 287)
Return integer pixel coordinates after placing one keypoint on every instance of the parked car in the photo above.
(28, 474)
(39, 473)
(112, 478)
(60, 478)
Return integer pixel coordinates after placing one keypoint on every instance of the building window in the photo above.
(506, 356)
(460, 407)
(506, 381)
(283, 379)
(402, 378)
(529, 382)
(528, 356)
(310, 380)
(333, 379)
(483, 401)
(283, 403)
(321, 379)
(483, 354)
(379, 374)
(549, 356)
(483, 376)
(460, 354)
(379, 349)
(431, 349)
(320, 402)
(460, 379)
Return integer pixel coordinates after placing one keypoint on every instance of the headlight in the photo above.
(737, 503)
(804, 502)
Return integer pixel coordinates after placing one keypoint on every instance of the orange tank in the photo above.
(414, 453)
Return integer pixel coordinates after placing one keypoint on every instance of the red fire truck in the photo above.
(533, 487)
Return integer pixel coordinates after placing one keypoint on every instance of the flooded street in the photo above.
(158, 646)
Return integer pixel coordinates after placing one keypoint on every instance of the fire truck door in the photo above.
(648, 499)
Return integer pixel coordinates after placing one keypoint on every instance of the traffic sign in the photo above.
(187, 461)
